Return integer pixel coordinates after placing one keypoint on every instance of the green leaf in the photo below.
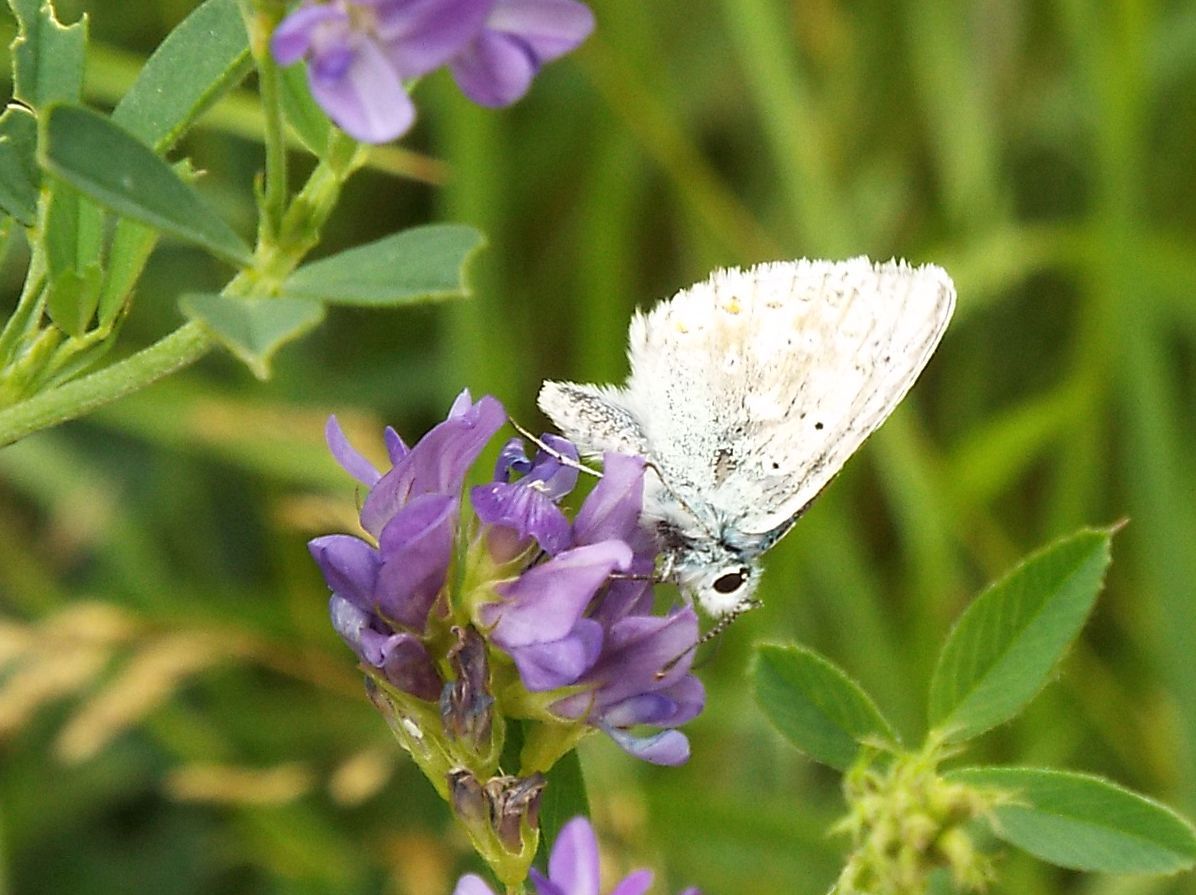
(73, 229)
(100, 159)
(815, 706)
(564, 798)
(131, 245)
(47, 56)
(19, 174)
(1085, 822)
(1002, 649)
(307, 119)
(198, 62)
(253, 328)
(72, 298)
(419, 264)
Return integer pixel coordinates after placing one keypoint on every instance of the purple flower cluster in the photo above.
(572, 869)
(362, 53)
(572, 601)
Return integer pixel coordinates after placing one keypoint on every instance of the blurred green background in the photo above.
(176, 715)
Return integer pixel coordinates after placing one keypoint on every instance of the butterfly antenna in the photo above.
(553, 452)
(721, 625)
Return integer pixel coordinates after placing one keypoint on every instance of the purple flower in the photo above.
(527, 507)
(641, 677)
(400, 657)
(437, 464)
(612, 510)
(540, 620)
(359, 52)
(498, 65)
(382, 596)
(572, 869)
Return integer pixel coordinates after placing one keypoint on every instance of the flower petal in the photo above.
(612, 509)
(494, 69)
(635, 883)
(438, 462)
(348, 456)
(406, 664)
(551, 28)
(366, 99)
(350, 567)
(670, 707)
(396, 448)
(547, 600)
(512, 458)
(689, 695)
(295, 34)
(668, 747)
(544, 886)
(526, 510)
(645, 708)
(472, 885)
(546, 666)
(352, 623)
(573, 864)
(421, 35)
(645, 654)
(556, 478)
(416, 547)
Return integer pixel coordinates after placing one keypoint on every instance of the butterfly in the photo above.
(747, 394)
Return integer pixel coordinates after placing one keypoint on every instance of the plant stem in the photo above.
(182, 347)
(260, 23)
(23, 322)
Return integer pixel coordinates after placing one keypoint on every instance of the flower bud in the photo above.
(466, 703)
(513, 801)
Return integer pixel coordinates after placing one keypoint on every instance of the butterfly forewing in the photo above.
(753, 387)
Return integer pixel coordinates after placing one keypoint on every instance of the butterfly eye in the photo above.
(730, 582)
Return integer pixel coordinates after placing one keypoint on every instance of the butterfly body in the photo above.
(747, 393)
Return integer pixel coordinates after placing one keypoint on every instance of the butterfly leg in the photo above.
(721, 625)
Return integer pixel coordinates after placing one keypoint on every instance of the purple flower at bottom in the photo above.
(497, 67)
(572, 869)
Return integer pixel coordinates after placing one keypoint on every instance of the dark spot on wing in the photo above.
(724, 463)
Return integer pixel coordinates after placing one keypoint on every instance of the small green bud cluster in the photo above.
(905, 821)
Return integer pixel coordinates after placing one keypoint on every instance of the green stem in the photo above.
(23, 321)
(261, 23)
(182, 347)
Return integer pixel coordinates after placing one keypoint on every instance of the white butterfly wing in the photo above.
(751, 389)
